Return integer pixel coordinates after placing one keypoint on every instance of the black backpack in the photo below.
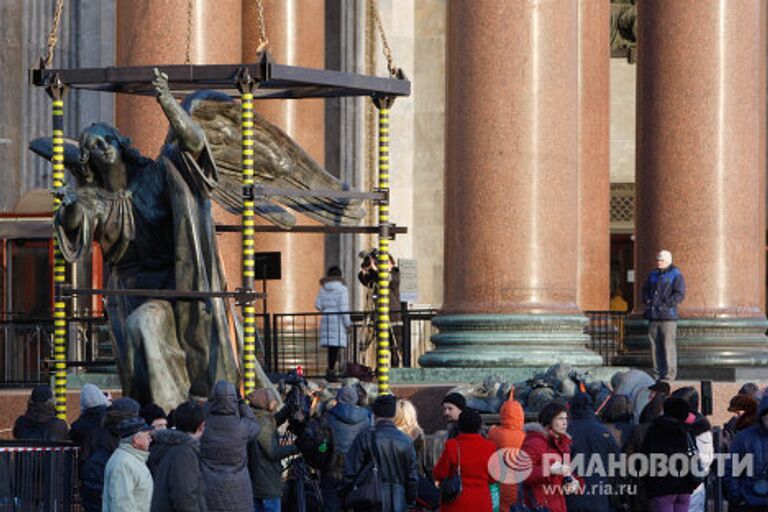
(316, 443)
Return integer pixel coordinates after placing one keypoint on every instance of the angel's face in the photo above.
(101, 146)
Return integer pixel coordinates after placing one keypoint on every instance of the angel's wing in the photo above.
(278, 162)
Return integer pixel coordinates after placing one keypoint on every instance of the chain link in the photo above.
(263, 41)
(384, 43)
(190, 9)
(52, 37)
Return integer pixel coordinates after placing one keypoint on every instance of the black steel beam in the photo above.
(233, 228)
(162, 294)
(273, 80)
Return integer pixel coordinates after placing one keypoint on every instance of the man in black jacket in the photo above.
(39, 422)
(394, 455)
(664, 290)
(174, 460)
(265, 453)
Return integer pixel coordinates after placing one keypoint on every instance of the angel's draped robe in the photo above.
(159, 234)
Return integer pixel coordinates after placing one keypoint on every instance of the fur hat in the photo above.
(152, 412)
(549, 411)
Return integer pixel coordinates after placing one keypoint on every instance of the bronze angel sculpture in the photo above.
(152, 219)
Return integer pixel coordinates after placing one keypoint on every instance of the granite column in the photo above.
(512, 158)
(296, 33)
(701, 175)
(166, 32)
(594, 173)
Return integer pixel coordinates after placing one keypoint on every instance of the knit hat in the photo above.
(131, 426)
(199, 391)
(677, 408)
(41, 394)
(470, 422)
(549, 411)
(126, 404)
(152, 412)
(260, 398)
(385, 406)
(581, 405)
(91, 396)
(456, 399)
(346, 395)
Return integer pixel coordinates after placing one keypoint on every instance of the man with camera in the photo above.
(369, 277)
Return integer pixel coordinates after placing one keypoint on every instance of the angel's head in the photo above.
(103, 148)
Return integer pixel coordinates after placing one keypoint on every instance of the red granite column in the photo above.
(594, 172)
(156, 33)
(701, 172)
(296, 33)
(512, 158)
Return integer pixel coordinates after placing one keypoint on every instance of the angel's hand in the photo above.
(65, 194)
(160, 83)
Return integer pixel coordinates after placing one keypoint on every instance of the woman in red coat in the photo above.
(475, 451)
(547, 443)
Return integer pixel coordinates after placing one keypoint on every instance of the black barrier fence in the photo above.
(285, 341)
(26, 348)
(37, 477)
(606, 333)
(302, 339)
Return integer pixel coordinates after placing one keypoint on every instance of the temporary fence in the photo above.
(37, 477)
(301, 339)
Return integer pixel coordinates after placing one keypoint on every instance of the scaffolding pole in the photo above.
(60, 328)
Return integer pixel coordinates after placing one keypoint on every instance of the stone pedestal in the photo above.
(512, 155)
(701, 175)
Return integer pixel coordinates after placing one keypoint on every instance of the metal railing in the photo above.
(606, 333)
(297, 339)
(37, 476)
(26, 347)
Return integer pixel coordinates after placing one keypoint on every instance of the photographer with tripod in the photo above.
(369, 277)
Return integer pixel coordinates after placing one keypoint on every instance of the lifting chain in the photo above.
(52, 34)
(190, 13)
(263, 41)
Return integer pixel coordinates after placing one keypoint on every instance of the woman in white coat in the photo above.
(333, 301)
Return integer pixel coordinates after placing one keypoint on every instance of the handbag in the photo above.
(695, 478)
(450, 488)
(520, 506)
(428, 495)
(366, 490)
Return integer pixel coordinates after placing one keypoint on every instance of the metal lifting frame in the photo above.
(263, 80)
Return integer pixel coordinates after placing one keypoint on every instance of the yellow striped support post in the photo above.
(382, 299)
(245, 84)
(60, 330)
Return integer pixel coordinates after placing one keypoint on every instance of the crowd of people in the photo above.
(221, 452)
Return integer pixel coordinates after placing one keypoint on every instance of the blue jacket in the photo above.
(754, 440)
(589, 438)
(346, 422)
(663, 291)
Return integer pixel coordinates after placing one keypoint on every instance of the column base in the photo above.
(728, 342)
(509, 341)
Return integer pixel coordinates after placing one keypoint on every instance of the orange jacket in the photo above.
(509, 434)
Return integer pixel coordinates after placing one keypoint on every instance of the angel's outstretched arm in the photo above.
(188, 134)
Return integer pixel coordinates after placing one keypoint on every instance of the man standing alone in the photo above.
(663, 291)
